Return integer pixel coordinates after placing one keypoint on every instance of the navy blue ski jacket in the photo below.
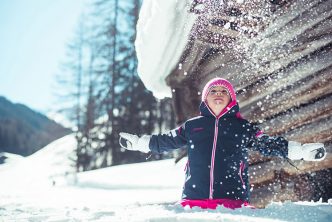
(218, 148)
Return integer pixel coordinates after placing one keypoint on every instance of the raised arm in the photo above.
(279, 146)
(158, 143)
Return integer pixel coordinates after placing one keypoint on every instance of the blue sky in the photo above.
(33, 38)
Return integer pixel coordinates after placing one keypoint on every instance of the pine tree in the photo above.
(112, 98)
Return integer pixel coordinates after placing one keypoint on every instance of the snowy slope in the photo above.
(43, 187)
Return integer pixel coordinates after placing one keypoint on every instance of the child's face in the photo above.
(217, 99)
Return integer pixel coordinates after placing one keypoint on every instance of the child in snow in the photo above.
(218, 142)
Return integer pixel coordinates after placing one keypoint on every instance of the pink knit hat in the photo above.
(218, 82)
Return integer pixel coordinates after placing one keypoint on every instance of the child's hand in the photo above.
(307, 151)
(134, 142)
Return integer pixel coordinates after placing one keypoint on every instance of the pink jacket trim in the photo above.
(212, 204)
(259, 133)
(238, 115)
(242, 166)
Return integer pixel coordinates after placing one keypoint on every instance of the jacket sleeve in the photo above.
(171, 140)
(268, 145)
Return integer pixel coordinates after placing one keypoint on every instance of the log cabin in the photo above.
(278, 55)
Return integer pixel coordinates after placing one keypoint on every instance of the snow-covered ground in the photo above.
(43, 187)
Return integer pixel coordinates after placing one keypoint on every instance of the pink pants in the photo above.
(213, 203)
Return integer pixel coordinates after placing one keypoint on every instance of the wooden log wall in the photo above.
(282, 71)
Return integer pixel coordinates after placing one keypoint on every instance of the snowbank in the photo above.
(30, 191)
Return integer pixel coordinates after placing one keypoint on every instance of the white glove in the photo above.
(134, 142)
(307, 151)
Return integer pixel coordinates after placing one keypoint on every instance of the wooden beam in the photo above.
(280, 49)
(260, 173)
(292, 97)
(189, 61)
(280, 80)
(296, 118)
(318, 131)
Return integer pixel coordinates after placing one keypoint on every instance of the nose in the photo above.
(219, 93)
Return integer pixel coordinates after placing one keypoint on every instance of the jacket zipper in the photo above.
(229, 106)
(240, 174)
(212, 157)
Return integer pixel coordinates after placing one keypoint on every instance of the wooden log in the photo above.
(298, 96)
(190, 59)
(282, 187)
(310, 17)
(297, 117)
(311, 186)
(284, 15)
(185, 108)
(262, 196)
(274, 60)
(318, 131)
(243, 71)
(261, 169)
(290, 17)
(262, 172)
(321, 30)
(277, 52)
(279, 81)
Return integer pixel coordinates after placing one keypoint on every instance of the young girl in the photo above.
(218, 142)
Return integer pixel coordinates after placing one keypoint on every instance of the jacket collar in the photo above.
(230, 110)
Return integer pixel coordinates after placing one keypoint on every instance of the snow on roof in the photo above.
(162, 33)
